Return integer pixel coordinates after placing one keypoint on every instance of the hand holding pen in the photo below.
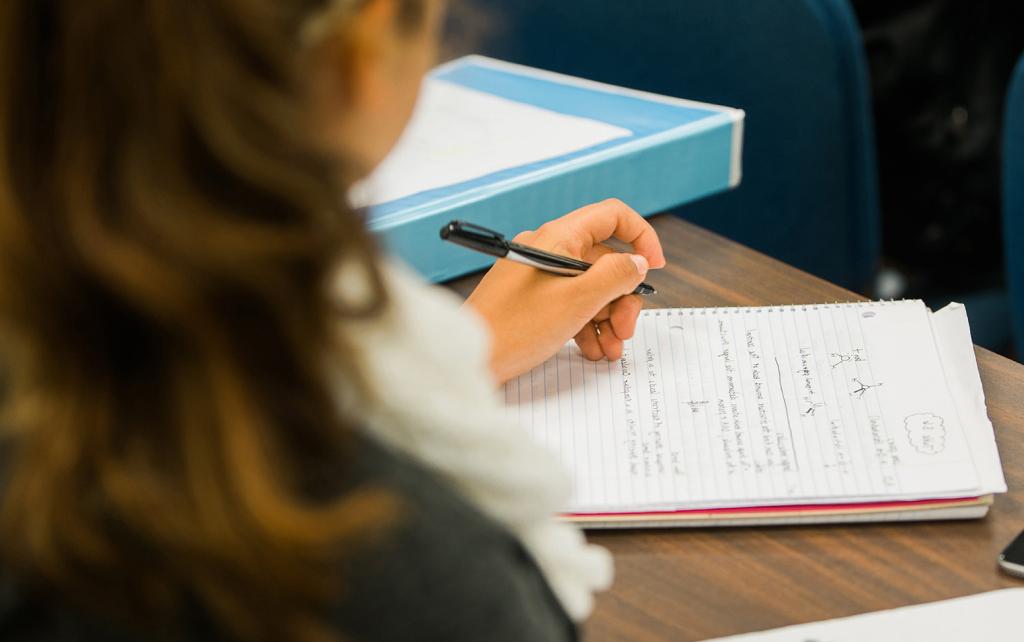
(532, 315)
(490, 242)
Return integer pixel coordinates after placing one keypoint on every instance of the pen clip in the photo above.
(476, 238)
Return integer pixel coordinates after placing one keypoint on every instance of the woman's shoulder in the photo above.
(441, 571)
(444, 571)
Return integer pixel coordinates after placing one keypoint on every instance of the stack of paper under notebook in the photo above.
(729, 416)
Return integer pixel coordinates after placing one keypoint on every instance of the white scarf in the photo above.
(427, 359)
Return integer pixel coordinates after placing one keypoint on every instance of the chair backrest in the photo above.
(809, 191)
(1013, 199)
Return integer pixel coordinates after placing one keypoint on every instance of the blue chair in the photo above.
(1013, 200)
(809, 192)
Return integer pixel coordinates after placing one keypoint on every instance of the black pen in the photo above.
(490, 242)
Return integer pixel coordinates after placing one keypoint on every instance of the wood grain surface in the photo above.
(696, 584)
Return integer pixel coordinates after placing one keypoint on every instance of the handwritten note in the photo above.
(754, 406)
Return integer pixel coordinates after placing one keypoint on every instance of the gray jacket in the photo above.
(447, 574)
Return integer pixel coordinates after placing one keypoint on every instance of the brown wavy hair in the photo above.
(168, 232)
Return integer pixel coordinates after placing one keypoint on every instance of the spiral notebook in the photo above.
(726, 416)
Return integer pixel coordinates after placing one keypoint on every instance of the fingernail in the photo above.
(641, 263)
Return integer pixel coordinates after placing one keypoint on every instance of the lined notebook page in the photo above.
(754, 406)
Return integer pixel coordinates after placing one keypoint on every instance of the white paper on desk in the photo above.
(987, 617)
(956, 350)
(458, 134)
(821, 404)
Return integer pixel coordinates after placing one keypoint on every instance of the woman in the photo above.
(225, 415)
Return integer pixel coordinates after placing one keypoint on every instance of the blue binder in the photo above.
(677, 151)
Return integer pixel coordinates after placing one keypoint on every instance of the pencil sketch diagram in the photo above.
(854, 356)
(695, 406)
(863, 388)
(926, 432)
(811, 407)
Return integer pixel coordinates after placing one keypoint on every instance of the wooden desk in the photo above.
(695, 584)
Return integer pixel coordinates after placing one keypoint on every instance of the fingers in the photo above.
(617, 323)
(611, 345)
(611, 276)
(596, 345)
(623, 315)
(596, 223)
(601, 295)
(589, 344)
(524, 237)
(596, 252)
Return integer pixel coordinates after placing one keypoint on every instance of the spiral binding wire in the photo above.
(657, 312)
